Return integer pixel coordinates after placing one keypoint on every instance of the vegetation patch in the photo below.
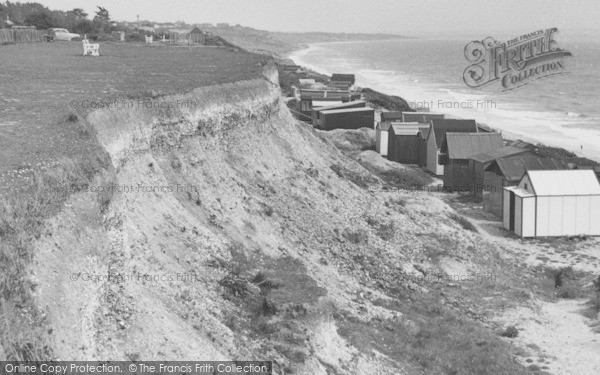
(463, 222)
(361, 179)
(22, 214)
(433, 338)
(273, 302)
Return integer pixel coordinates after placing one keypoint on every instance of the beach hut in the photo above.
(422, 145)
(553, 203)
(435, 138)
(381, 138)
(345, 81)
(403, 142)
(348, 118)
(309, 98)
(316, 110)
(507, 171)
(478, 163)
(454, 155)
(421, 117)
(395, 116)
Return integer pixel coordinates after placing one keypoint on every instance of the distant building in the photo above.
(348, 118)
(507, 171)
(421, 117)
(455, 152)
(435, 138)
(223, 24)
(478, 163)
(553, 203)
(205, 25)
(403, 142)
(197, 36)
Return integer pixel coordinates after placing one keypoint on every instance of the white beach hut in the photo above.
(381, 137)
(553, 203)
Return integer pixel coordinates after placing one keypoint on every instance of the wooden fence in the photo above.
(21, 36)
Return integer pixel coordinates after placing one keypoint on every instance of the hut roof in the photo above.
(522, 144)
(439, 128)
(324, 103)
(352, 104)
(407, 129)
(392, 115)
(384, 126)
(463, 145)
(564, 182)
(347, 110)
(513, 168)
(502, 152)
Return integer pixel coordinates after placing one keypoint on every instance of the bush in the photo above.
(463, 222)
(510, 332)
(358, 236)
(363, 180)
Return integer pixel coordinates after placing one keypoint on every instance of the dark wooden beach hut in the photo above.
(342, 80)
(316, 111)
(478, 163)
(197, 35)
(455, 152)
(421, 117)
(348, 118)
(435, 138)
(507, 171)
(395, 116)
(309, 98)
(403, 142)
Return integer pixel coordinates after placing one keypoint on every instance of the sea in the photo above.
(561, 110)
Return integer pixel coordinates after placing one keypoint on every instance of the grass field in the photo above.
(40, 80)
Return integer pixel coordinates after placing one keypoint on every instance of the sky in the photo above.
(404, 17)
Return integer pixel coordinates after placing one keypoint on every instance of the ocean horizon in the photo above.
(561, 110)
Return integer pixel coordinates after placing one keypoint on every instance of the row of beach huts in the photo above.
(535, 196)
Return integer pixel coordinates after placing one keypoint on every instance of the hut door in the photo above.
(511, 217)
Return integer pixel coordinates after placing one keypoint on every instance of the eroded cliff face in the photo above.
(230, 233)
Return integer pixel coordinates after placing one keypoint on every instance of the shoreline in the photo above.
(507, 134)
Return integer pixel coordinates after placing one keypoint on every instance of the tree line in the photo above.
(35, 14)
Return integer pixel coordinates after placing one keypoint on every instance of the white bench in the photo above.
(149, 39)
(90, 49)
